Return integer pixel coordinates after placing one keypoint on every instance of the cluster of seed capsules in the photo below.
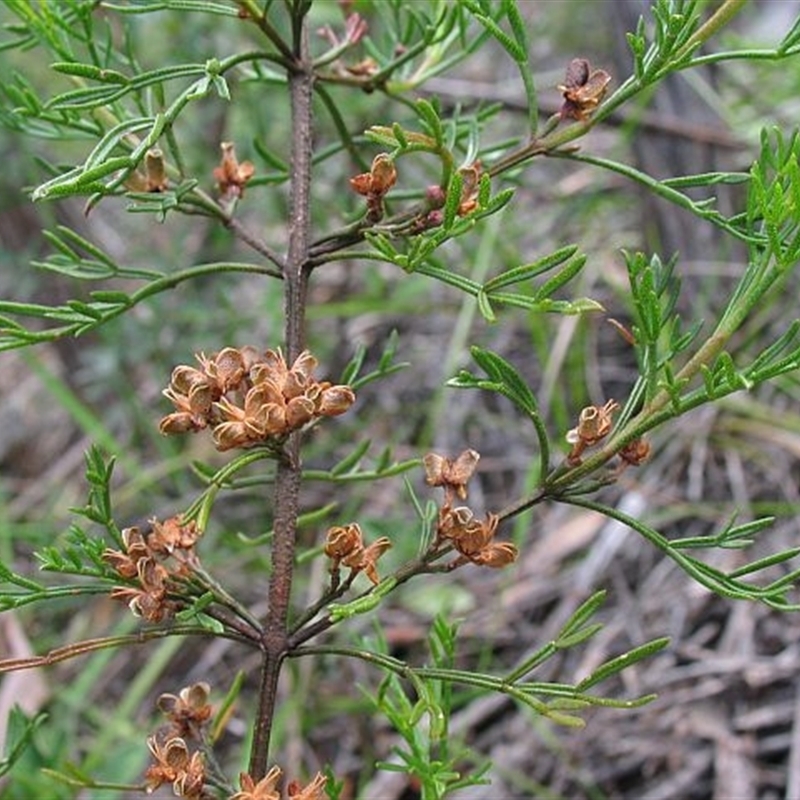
(247, 398)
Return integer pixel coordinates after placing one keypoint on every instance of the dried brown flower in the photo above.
(142, 561)
(365, 68)
(152, 575)
(192, 394)
(452, 520)
(176, 765)
(496, 555)
(367, 559)
(471, 178)
(375, 184)
(344, 544)
(594, 424)
(171, 535)
(185, 380)
(127, 564)
(583, 90)
(231, 176)
(225, 370)
(248, 398)
(314, 791)
(635, 453)
(474, 538)
(191, 782)
(342, 540)
(150, 601)
(263, 414)
(380, 178)
(333, 400)
(452, 474)
(265, 789)
(154, 179)
(187, 711)
(151, 559)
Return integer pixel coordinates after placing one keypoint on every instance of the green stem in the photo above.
(718, 20)
(251, 10)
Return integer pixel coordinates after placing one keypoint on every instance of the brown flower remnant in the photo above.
(380, 178)
(635, 453)
(594, 424)
(474, 538)
(375, 184)
(126, 563)
(344, 545)
(188, 711)
(583, 90)
(192, 392)
(471, 178)
(314, 791)
(143, 560)
(176, 765)
(453, 475)
(365, 68)
(230, 175)
(173, 536)
(151, 600)
(154, 180)
(471, 537)
(247, 398)
(265, 789)
(343, 540)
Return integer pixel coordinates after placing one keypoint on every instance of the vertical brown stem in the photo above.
(287, 478)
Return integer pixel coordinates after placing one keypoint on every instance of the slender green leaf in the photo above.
(563, 276)
(583, 614)
(501, 371)
(620, 663)
(511, 45)
(527, 272)
(351, 459)
(453, 279)
(89, 71)
(150, 6)
(20, 730)
(765, 562)
(431, 121)
(485, 307)
(452, 201)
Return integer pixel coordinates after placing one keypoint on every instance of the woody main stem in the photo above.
(288, 474)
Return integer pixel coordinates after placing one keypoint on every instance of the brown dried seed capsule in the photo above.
(496, 555)
(583, 89)
(341, 540)
(335, 400)
(453, 475)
